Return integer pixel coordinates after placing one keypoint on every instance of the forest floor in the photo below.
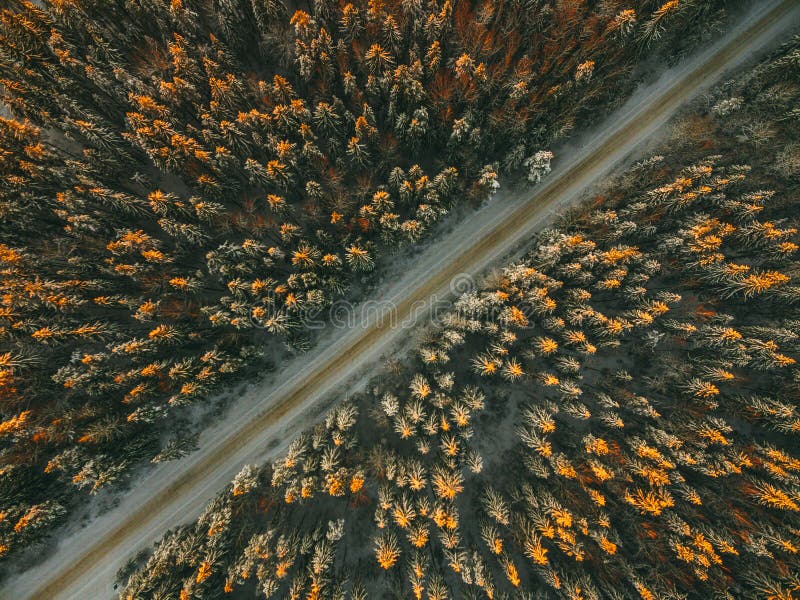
(258, 425)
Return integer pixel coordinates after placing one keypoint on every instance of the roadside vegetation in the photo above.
(181, 182)
(614, 416)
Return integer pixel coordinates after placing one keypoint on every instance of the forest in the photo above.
(182, 182)
(613, 416)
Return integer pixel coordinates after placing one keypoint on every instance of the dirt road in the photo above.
(83, 566)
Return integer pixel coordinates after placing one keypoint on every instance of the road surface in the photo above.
(83, 566)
